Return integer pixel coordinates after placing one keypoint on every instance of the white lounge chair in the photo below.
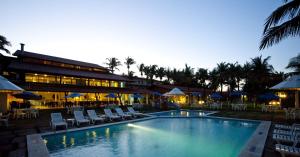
(286, 138)
(122, 114)
(292, 131)
(57, 120)
(287, 150)
(94, 117)
(110, 115)
(295, 126)
(133, 112)
(79, 118)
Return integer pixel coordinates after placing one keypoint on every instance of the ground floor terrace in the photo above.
(13, 140)
(51, 100)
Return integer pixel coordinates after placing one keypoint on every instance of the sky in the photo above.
(169, 33)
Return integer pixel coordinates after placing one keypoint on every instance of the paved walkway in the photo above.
(13, 138)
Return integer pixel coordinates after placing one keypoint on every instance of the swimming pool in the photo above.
(159, 137)
(184, 113)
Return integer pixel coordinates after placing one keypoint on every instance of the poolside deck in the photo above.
(13, 138)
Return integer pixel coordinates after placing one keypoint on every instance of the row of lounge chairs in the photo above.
(290, 136)
(58, 121)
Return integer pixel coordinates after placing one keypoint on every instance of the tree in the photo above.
(150, 71)
(160, 73)
(128, 62)
(4, 43)
(113, 64)
(282, 23)
(201, 76)
(294, 64)
(221, 71)
(141, 68)
(259, 76)
(168, 72)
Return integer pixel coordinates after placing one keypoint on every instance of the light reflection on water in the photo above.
(174, 137)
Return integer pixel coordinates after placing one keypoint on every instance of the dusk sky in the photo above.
(168, 33)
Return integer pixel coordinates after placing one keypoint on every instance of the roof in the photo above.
(166, 88)
(36, 68)
(20, 53)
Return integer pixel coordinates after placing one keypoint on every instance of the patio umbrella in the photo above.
(268, 97)
(174, 92)
(137, 95)
(27, 96)
(237, 93)
(196, 94)
(7, 86)
(157, 93)
(216, 96)
(74, 95)
(291, 83)
(111, 95)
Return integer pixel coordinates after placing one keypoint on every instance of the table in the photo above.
(71, 120)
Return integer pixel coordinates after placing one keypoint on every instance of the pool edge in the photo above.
(256, 143)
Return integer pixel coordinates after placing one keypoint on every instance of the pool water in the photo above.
(160, 137)
(183, 113)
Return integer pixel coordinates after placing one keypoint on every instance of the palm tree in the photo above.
(160, 73)
(259, 75)
(282, 23)
(113, 64)
(168, 72)
(141, 68)
(202, 76)
(4, 43)
(128, 62)
(221, 70)
(294, 64)
(152, 71)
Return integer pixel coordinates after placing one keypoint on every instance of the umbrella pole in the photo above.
(297, 99)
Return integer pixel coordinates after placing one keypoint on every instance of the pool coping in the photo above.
(253, 148)
(256, 143)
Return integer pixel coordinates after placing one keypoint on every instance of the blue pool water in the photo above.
(160, 137)
(183, 113)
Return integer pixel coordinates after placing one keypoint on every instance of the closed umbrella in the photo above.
(291, 83)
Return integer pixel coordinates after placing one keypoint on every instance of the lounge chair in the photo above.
(110, 115)
(57, 120)
(294, 129)
(94, 117)
(287, 150)
(288, 127)
(285, 132)
(286, 138)
(122, 114)
(133, 112)
(79, 118)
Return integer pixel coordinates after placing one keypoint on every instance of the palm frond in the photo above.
(290, 9)
(277, 33)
